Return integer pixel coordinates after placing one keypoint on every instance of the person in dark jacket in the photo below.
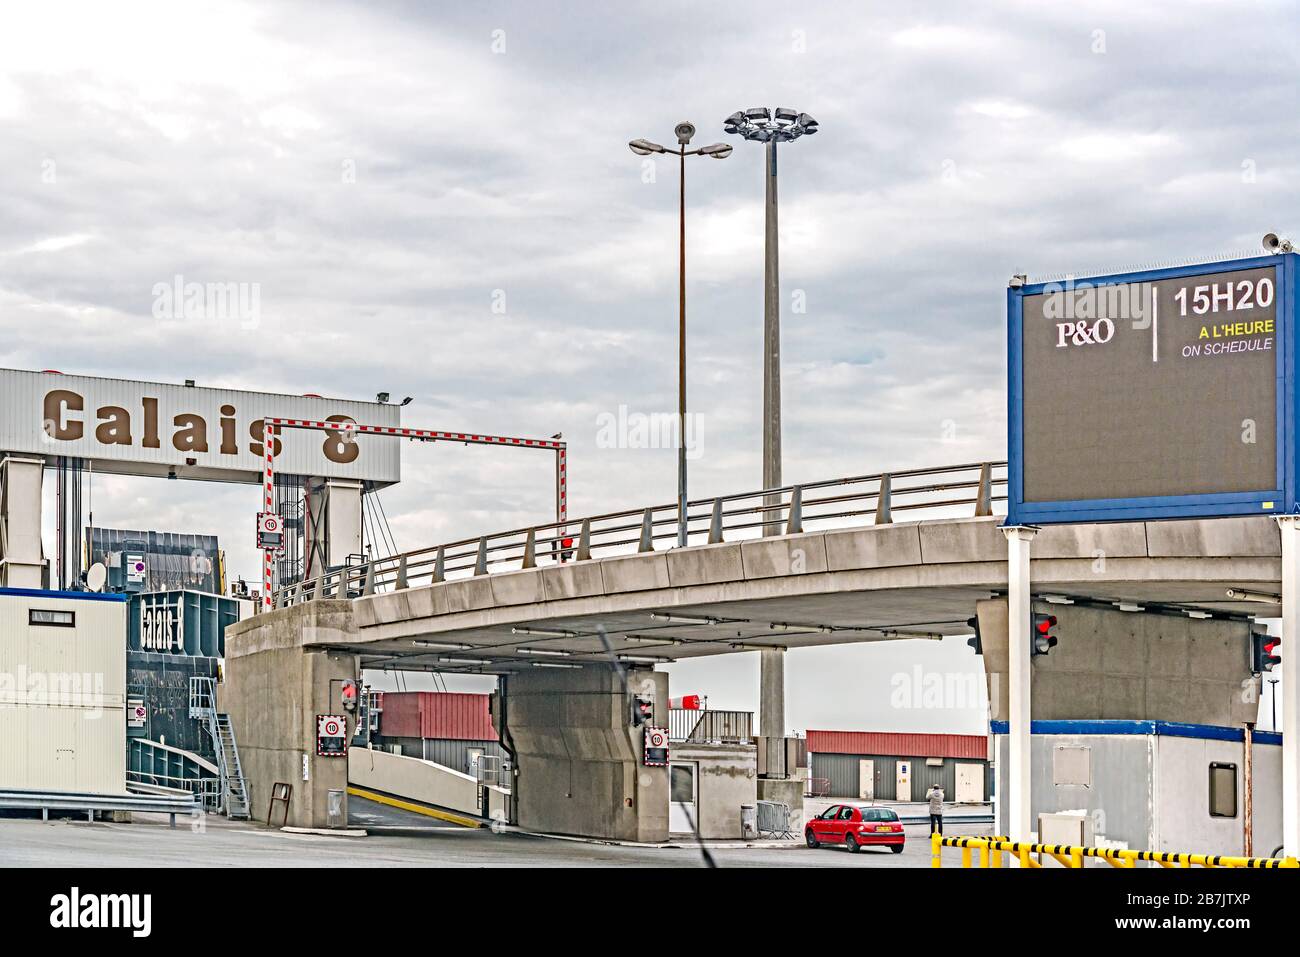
(935, 797)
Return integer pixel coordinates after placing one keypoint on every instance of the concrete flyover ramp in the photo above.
(842, 571)
(423, 788)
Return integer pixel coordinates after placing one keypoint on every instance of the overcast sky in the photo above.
(438, 201)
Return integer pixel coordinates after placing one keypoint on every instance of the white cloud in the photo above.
(382, 174)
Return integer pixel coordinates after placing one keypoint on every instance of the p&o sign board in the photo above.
(1160, 394)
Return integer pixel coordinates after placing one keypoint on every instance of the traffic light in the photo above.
(1041, 639)
(976, 645)
(1265, 652)
(643, 710)
(350, 693)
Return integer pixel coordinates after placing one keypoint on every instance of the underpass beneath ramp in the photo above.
(398, 791)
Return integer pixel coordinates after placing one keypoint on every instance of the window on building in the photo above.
(1223, 790)
(682, 783)
(51, 617)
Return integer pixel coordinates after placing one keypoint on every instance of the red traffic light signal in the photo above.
(350, 693)
(1265, 652)
(1041, 639)
(643, 710)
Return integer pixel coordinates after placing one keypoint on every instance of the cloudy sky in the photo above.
(438, 201)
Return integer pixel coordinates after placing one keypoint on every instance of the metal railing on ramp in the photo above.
(944, 491)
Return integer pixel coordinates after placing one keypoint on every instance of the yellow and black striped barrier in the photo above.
(992, 849)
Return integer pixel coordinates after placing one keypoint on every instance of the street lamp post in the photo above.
(684, 133)
(763, 126)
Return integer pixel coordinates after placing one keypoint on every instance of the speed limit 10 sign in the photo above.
(331, 735)
(656, 747)
(270, 531)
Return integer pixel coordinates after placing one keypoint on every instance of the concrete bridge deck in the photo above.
(881, 582)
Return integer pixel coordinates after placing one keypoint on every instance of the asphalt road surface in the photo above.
(223, 843)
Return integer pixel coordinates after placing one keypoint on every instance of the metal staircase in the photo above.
(234, 789)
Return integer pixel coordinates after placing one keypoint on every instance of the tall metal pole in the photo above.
(771, 665)
(681, 359)
(1019, 798)
(771, 339)
(1290, 529)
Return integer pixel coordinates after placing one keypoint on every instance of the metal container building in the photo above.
(898, 766)
(447, 728)
(62, 691)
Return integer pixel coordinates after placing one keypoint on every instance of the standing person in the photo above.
(935, 797)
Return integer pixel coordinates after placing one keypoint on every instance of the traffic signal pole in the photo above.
(1019, 624)
(1290, 529)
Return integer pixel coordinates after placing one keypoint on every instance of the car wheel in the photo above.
(808, 836)
(897, 848)
(851, 843)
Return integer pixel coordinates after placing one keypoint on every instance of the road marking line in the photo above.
(417, 808)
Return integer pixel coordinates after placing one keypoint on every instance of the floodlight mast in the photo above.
(760, 125)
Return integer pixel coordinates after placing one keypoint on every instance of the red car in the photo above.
(855, 826)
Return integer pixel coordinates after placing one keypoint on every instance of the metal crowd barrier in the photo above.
(774, 819)
(991, 850)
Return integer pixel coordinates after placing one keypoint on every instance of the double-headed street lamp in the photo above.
(684, 133)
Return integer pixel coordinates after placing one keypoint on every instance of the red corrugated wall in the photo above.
(434, 714)
(458, 717)
(899, 744)
(401, 717)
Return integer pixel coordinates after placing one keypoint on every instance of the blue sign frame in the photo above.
(1276, 501)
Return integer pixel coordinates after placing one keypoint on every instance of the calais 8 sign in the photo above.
(150, 428)
(1159, 394)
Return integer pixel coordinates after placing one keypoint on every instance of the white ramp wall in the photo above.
(422, 781)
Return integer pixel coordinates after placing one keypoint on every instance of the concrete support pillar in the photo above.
(1290, 528)
(580, 761)
(1019, 611)
(22, 560)
(771, 693)
(334, 523)
(273, 689)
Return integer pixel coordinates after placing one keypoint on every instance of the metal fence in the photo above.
(838, 503)
(710, 727)
(774, 819)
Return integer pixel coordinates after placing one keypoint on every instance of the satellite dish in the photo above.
(96, 577)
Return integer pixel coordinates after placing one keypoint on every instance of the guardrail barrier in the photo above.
(973, 489)
(991, 850)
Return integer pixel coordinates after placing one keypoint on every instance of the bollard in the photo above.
(883, 497)
(584, 541)
(936, 850)
(984, 500)
(647, 542)
(715, 523)
(794, 525)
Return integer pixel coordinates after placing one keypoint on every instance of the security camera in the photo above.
(1275, 244)
(1016, 281)
(684, 132)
